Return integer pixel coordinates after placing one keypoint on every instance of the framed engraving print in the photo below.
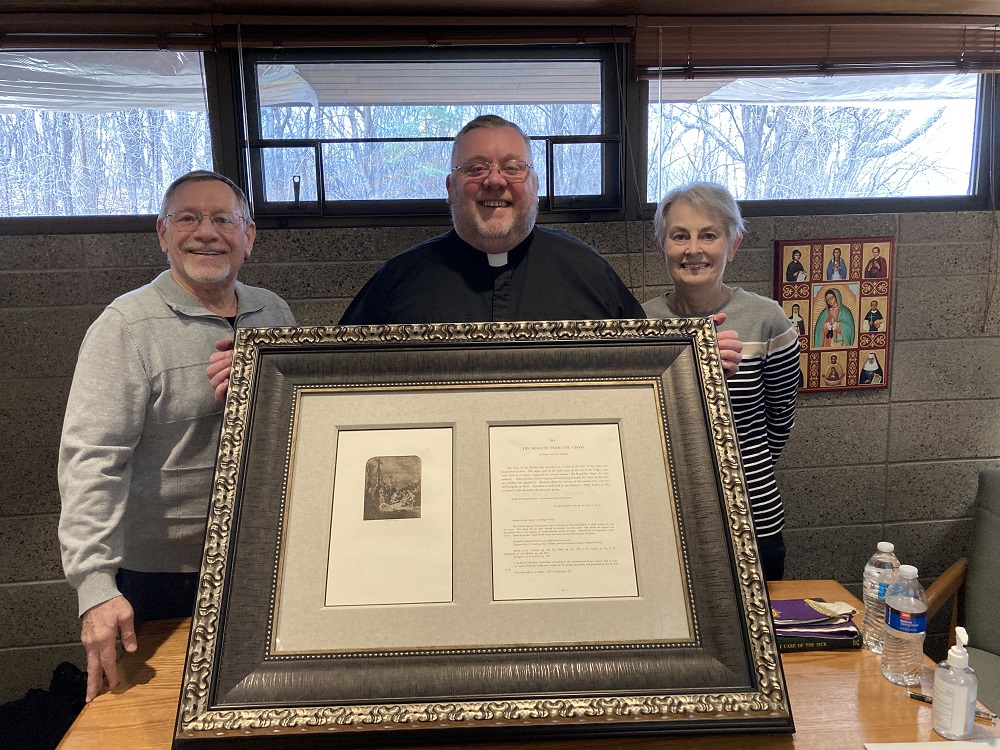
(479, 531)
(838, 293)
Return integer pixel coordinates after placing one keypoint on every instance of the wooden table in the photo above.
(839, 700)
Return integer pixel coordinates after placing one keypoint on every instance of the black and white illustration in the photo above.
(392, 487)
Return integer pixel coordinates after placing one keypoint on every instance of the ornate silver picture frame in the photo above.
(483, 531)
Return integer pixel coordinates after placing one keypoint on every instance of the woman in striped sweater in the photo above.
(698, 229)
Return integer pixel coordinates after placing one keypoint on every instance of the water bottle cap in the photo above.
(886, 547)
(907, 571)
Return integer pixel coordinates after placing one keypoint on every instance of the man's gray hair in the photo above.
(488, 121)
(708, 197)
(203, 175)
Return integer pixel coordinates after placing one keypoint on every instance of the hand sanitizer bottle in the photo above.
(955, 686)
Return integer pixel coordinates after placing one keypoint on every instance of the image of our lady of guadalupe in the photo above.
(835, 325)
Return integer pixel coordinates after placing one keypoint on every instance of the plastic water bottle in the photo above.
(905, 626)
(955, 685)
(880, 571)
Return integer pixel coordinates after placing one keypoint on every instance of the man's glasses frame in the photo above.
(223, 221)
(512, 170)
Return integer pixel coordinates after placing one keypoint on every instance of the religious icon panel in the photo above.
(838, 294)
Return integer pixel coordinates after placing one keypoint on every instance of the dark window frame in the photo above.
(985, 142)
(609, 205)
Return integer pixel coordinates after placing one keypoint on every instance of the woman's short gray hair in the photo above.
(708, 197)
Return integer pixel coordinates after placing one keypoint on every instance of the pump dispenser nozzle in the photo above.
(957, 655)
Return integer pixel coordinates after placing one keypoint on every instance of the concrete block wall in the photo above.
(898, 464)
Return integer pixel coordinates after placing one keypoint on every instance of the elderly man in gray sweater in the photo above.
(141, 429)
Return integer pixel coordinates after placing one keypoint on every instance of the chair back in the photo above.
(982, 583)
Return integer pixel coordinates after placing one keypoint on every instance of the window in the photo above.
(371, 132)
(839, 137)
(350, 135)
(93, 133)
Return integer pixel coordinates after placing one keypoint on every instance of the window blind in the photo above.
(824, 45)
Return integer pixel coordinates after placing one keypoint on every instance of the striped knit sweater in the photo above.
(762, 393)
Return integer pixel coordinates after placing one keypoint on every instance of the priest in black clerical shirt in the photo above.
(495, 264)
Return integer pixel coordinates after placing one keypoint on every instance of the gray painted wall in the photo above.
(898, 464)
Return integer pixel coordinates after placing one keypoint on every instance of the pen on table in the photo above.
(982, 713)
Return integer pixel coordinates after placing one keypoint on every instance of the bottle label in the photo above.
(876, 589)
(953, 709)
(906, 622)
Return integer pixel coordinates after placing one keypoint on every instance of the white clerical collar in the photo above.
(497, 259)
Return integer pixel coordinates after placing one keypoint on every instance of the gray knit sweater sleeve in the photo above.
(104, 422)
